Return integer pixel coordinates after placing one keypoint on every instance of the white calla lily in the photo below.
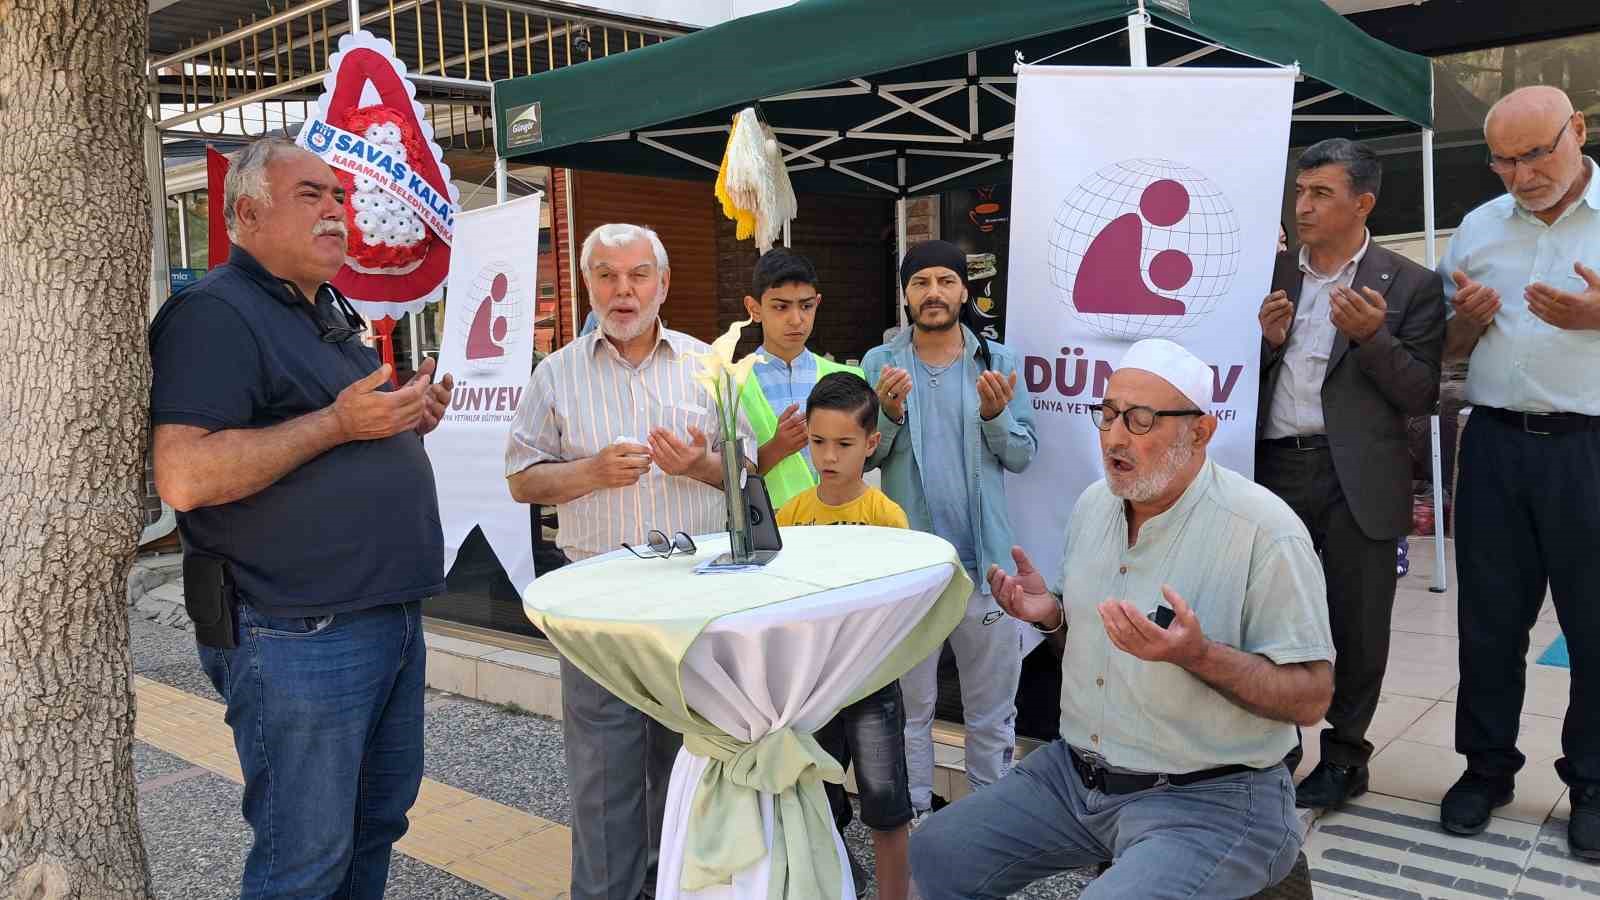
(718, 364)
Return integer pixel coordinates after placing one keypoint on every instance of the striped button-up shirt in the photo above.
(788, 384)
(586, 397)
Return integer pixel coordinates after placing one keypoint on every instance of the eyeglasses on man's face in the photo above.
(659, 546)
(1506, 165)
(1137, 419)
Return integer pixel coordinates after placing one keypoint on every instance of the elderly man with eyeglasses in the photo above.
(1191, 616)
(612, 431)
(1525, 304)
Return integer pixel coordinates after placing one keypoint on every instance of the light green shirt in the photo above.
(1244, 563)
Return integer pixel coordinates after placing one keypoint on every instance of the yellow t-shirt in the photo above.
(872, 508)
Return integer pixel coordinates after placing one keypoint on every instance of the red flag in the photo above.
(217, 244)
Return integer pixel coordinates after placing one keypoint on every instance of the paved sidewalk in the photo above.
(491, 819)
(1388, 844)
(492, 816)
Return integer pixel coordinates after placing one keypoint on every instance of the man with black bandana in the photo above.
(954, 419)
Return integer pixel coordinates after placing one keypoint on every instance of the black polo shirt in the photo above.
(354, 528)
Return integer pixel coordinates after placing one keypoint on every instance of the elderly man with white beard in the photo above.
(1192, 619)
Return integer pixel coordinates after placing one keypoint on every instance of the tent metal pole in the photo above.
(1430, 254)
(355, 16)
(899, 257)
(502, 187)
(1138, 21)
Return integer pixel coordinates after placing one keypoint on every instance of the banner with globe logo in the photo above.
(1146, 204)
(487, 346)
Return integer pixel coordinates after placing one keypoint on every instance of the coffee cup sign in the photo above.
(985, 216)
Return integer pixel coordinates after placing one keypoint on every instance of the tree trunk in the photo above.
(74, 381)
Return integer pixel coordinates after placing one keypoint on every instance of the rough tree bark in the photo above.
(74, 373)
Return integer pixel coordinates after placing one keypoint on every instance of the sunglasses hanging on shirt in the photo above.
(329, 298)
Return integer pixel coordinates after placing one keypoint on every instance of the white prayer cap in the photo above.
(1175, 365)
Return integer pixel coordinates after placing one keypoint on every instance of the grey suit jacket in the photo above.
(1371, 388)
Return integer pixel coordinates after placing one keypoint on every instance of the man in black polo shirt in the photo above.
(289, 460)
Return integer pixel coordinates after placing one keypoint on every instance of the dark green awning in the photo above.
(835, 77)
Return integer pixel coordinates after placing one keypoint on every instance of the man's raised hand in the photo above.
(365, 412)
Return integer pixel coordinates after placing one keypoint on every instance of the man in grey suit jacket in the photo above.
(1351, 340)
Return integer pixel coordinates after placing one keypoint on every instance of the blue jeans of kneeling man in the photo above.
(1227, 837)
(326, 715)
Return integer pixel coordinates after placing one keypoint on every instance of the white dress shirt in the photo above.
(1297, 397)
(1522, 362)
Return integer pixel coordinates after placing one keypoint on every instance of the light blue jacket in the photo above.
(1003, 444)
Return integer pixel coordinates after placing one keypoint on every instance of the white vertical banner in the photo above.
(488, 346)
(1145, 203)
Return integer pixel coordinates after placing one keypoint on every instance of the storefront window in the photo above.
(1572, 64)
(187, 241)
(1466, 85)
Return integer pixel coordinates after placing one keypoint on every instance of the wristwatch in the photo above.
(1061, 608)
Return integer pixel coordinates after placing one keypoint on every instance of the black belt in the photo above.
(1107, 782)
(1300, 442)
(1541, 423)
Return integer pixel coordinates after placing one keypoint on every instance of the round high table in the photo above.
(747, 665)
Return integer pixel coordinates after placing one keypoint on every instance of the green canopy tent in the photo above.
(862, 88)
(870, 97)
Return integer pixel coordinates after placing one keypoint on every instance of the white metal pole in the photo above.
(416, 339)
(355, 16)
(183, 230)
(1138, 20)
(502, 186)
(160, 284)
(899, 257)
(787, 236)
(1430, 254)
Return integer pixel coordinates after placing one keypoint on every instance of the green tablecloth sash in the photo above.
(649, 612)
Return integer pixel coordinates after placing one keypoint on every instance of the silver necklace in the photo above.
(934, 373)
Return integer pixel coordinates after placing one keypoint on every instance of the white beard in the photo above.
(1154, 483)
(625, 333)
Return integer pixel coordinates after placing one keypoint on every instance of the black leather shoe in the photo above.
(1583, 829)
(1468, 805)
(1330, 786)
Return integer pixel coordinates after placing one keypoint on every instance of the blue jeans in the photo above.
(1223, 838)
(326, 715)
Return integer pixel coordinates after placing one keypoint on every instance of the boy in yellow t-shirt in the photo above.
(842, 423)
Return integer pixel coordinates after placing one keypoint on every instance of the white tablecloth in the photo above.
(752, 660)
(786, 665)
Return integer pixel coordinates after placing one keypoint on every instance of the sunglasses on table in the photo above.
(1138, 419)
(659, 546)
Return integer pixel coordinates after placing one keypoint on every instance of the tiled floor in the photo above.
(1388, 844)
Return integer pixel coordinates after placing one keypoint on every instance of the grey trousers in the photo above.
(989, 658)
(619, 762)
(1225, 838)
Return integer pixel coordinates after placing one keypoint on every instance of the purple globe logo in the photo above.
(1144, 248)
